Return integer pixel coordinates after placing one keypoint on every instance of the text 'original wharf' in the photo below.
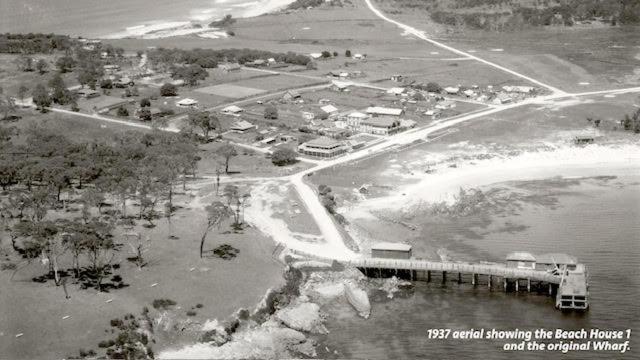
(556, 274)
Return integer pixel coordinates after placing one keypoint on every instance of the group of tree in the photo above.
(209, 58)
(199, 124)
(191, 74)
(284, 156)
(631, 122)
(34, 43)
(37, 170)
(168, 89)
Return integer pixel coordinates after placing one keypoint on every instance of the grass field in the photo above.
(230, 91)
(36, 310)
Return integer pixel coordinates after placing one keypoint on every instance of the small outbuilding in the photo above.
(232, 110)
(187, 103)
(242, 126)
(521, 260)
(389, 250)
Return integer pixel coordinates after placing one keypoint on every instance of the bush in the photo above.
(144, 114)
(115, 322)
(270, 112)
(168, 89)
(145, 102)
(199, 306)
(347, 53)
(283, 156)
(434, 87)
(163, 304)
(106, 84)
(191, 313)
(122, 111)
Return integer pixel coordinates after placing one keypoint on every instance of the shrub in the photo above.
(163, 304)
(168, 89)
(122, 111)
(144, 114)
(270, 112)
(191, 313)
(199, 306)
(115, 322)
(347, 53)
(145, 102)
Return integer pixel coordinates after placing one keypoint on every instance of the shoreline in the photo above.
(565, 162)
(197, 23)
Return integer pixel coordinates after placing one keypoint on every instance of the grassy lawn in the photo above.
(174, 271)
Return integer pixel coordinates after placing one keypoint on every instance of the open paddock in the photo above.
(230, 91)
(277, 82)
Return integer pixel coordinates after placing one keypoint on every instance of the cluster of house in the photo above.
(270, 62)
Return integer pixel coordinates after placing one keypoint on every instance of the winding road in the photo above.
(334, 246)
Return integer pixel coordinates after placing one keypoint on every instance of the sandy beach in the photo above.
(445, 183)
(126, 19)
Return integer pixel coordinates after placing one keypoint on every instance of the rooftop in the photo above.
(384, 111)
(391, 246)
(520, 256)
(385, 122)
(323, 142)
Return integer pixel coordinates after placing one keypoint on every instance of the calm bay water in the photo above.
(598, 224)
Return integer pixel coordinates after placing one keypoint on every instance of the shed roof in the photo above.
(520, 256)
(389, 246)
(242, 125)
(384, 111)
(232, 109)
(187, 101)
(329, 109)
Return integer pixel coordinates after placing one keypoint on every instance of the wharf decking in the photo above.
(497, 270)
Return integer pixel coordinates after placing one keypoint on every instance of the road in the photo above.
(421, 35)
(330, 232)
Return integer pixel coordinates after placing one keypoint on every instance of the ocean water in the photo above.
(95, 18)
(598, 224)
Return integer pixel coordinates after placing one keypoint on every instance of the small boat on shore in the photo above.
(357, 298)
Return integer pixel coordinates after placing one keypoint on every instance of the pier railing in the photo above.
(456, 267)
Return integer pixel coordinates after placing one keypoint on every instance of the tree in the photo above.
(216, 213)
(122, 111)
(326, 54)
(24, 63)
(88, 77)
(42, 66)
(347, 53)
(168, 89)
(42, 238)
(434, 87)
(144, 114)
(270, 112)
(335, 54)
(234, 198)
(59, 92)
(41, 97)
(227, 151)
(7, 104)
(191, 74)
(65, 64)
(283, 156)
(23, 90)
(100, 249)
(145, 102)
(205, 121)
(106, 84)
